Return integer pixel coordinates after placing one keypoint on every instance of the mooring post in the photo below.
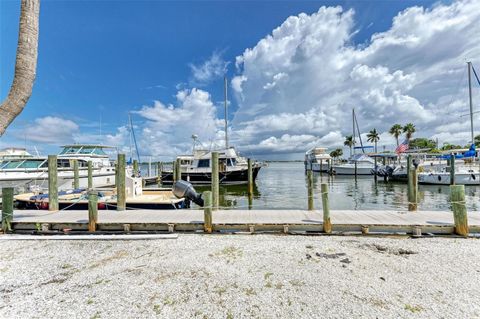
(376, 168)
(121, 189)
(178, 170)
(327, 224)
(92, 210)
(310, 190)
(215, 181)
(409, 164)
(457, 197)
(207, 211)
(412, 191)
(250, 177)
(135, 168)
(90, 175)
(321, 165)
(76, 175)
(52, 183)
(385, 175)
(355, 163)
(452, 169)
(7, 208)
(159, 173)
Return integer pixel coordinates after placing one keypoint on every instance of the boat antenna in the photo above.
(226, 111)
(359, 136)
(194, 138)
(353, 120)
(469, 66)
(133, 135)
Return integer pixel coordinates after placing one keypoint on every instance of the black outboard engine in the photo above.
(183, 189)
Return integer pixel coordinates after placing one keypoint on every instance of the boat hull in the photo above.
(444, 178)
(232, 177)
(350, 170)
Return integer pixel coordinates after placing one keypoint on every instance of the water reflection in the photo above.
(284, 185)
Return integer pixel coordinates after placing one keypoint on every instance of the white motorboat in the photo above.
(13, 152)
(463, 176)
(363, 164)
(317, 159)
(32, 172)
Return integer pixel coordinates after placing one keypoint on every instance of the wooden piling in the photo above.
(207, 212)
(321, 166)
(376, 168)
(52, 183)
(385, 175)
(355, 163)
(76, 175)
(215, 181)
(7, 208)
(250, 177)
(159, 173)
(457, 197)
(310, 190)
(90, 175)
(327, 224)
(452, 169)
(135, 168)
(92, 210)
(178, 170)
(409, 165)
(412, 191)
(120, 181)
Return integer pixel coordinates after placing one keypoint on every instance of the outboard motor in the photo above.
(183, 189)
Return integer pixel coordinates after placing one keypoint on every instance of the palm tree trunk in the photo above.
(25, 64)
(397, 140)
(375, 146)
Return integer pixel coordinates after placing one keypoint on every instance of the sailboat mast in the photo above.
(226, 112)
(353, 121)
(469, 66)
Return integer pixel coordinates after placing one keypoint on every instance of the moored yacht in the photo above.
(317, 159)
(361, 163)
(197, 168)
(32, 172)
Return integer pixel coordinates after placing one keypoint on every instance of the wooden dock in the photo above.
(288, 221)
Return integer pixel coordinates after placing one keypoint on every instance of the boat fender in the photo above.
(439, 178)
(43, 205)
(101, 205)
(473, 176)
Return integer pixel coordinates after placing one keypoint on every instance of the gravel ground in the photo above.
(240, 276)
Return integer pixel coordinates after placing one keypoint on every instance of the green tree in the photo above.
(336, 153)
(409, 129)
(349, 142)
(373, 137)
(477, 140)
(422, 143)
(396, 131)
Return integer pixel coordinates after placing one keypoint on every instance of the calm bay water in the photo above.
(284, 185)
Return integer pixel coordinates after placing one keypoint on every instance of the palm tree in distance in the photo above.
(374, 137)
(396, 131)
(409, 129)
(349, 142)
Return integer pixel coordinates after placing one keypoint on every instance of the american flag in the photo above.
(402, 147)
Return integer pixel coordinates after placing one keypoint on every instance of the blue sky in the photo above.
(103, 59)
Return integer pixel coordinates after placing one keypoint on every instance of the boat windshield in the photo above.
(83, 150)
(31, 163)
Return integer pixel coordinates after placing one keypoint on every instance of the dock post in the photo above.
(90, 175)
(376, 169)
(412, 190)
(215, 181)
(310, 189)
(7, 208)
(384, 164)
(452, 169)
(135, 168)
(327, 224)
(92, 210)
(250, 177)
(355, 169)
(207, 212)
(409, 165)
(457, 197)
(321, 164)
(159, 174)
(52, 183)
(178, 170)
(76, 176)
(120, 181)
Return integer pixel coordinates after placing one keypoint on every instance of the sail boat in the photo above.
(465, 174)
(361, 163)
(196, 168)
